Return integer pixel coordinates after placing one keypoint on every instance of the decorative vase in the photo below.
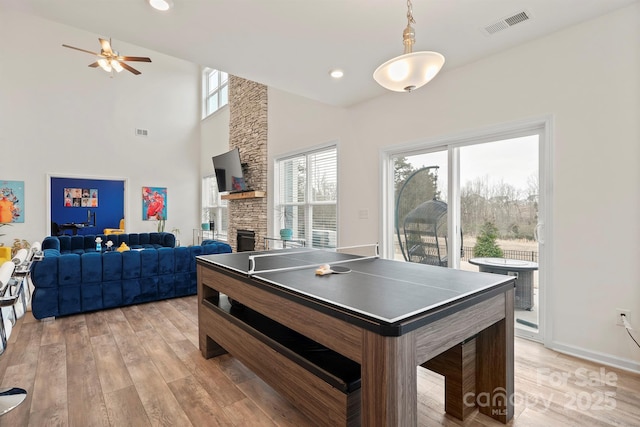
(205, 226)
(286, 233)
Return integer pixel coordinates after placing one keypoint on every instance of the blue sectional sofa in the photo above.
(74, 278)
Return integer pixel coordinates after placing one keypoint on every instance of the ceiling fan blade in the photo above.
(106, 46)
(134, 58)
(81, 50)
(130, 68)
(94, 65)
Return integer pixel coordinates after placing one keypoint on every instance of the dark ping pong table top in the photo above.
(385, 290)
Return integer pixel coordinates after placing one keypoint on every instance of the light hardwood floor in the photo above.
(141, 366)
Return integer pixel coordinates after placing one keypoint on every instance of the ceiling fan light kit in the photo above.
(110, 60)
(105, 65)
(411, 70)
(117, 66)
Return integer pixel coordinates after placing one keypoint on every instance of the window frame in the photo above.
(219, 207)
(222, 87)
(542, 126)
(307, 204)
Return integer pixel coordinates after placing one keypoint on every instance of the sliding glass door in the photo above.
(499, 194)
(472, 204)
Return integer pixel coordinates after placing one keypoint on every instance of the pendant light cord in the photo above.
(410, 19)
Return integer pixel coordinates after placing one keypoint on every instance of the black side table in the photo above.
(523, 270)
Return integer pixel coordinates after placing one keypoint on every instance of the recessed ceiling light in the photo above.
(336, 74)
(162, 5)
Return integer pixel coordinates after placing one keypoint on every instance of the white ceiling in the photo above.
(293, 44)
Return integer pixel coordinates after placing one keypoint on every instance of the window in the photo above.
(215, 87)
(214, 209)
(306, 196)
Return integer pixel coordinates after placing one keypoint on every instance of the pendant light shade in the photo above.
(411, 70)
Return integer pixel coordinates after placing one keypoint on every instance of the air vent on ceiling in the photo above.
(141, 132)
(507, 22)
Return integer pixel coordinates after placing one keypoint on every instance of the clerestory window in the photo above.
(215, 87)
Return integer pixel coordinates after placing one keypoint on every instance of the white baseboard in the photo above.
(605, 359)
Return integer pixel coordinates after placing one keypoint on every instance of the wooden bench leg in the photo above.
(458, 366)
(209, 348)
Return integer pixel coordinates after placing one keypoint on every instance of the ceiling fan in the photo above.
(109, 59)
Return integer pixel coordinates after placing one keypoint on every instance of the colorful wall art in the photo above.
(80, 197)
(11, 201)
(154, 203)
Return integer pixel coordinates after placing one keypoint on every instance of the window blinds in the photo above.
(307, 196)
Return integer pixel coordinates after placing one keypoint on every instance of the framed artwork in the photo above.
(154, 203)
(81, 197)
(11, 201)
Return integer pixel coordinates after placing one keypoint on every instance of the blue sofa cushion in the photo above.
(89, 241)
(166, 261)
(91, 287)
(154, 239)
(69, 272)
(77, 244)
(45, 272)
(134, 240)
(143, 239)
(168, 240)
(111, 266)
(149, 263)
(91, 267)
(130, 264)
(65, 244)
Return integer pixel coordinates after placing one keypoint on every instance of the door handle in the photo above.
(538, 233)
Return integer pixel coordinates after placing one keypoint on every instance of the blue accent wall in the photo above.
(110, 208)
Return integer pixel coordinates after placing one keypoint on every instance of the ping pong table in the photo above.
(388, 316)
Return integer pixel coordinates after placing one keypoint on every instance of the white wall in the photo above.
(587, 78)
(296, 123)
(59, 117)
(214, 132)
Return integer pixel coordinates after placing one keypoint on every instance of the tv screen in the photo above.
(229, 172)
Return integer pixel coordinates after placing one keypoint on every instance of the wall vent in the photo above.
(507, 22)
(142, 132)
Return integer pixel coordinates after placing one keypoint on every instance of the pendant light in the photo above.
(411, 70)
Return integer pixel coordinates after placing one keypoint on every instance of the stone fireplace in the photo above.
(248, 132)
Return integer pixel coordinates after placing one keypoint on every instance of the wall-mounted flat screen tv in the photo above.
(229, 172)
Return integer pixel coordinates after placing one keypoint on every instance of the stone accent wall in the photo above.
(248, 132)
